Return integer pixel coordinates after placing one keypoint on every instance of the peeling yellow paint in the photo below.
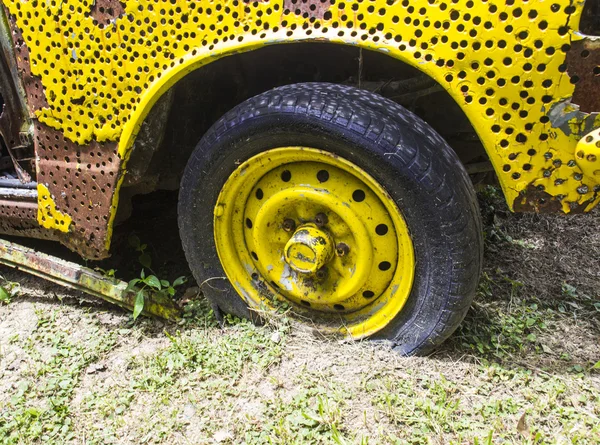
(48, 216)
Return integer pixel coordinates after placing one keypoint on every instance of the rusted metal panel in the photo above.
(583, 65)
(20, 219)
(8, 51)
(34, 89)
(308, 8)
(83, 279)
(106, 11)
(81, 180)
(11, 120)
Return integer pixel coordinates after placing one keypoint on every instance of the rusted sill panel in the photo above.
(19, 218)
(80, 278)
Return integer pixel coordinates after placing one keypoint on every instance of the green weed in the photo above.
(161, 289)
(8, 290)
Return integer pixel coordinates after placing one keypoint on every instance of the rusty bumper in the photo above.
(81, 278)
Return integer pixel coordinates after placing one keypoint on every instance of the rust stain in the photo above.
(535, 200)
(106, 11)
(36, 97)
(307, 8)
(583, 66)
(10, 118)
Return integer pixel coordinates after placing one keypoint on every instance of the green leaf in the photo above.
(4, 295)
(531, 337)
(568, 290)
(164, 283)
(134, 241)
(154, 282)
(179, 281)
(145, 260)
(131, 286)
(143, 274)
(33, 411)
(139, 304)
(597, 365)
(530, 322)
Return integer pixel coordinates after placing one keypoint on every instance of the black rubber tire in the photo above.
(404, 154)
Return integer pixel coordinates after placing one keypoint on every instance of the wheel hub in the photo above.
(309, 249)
(309, 228)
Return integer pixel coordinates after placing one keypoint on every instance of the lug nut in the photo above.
(321, 219)
(342, 249)
(321, 273)
(288, 224)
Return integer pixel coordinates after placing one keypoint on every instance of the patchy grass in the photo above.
(51, 359)
(522, 368)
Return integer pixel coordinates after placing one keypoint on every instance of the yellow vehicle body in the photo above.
(525, 76)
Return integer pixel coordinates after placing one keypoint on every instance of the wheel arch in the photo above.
(195, 64)
(201, 60)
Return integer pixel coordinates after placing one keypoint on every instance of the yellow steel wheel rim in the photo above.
(306, 227)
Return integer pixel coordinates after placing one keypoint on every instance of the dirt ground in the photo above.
(524, 367)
